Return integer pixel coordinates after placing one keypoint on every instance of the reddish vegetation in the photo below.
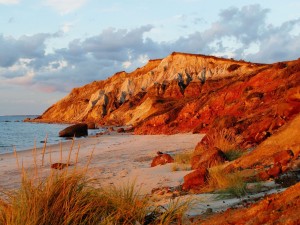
(280, 208)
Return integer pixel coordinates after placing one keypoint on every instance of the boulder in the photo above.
(263, 176)
(161, 159)
(195, 180)
(77, 130)
(208, 158)
(59, 166)
(111, 129)
(121, 130)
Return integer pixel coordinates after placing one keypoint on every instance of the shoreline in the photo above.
(122, 159)
(116, 158)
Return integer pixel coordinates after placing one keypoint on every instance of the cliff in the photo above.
(188, 92)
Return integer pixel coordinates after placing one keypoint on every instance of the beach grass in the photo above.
(182, 161)
(225, 139)
(227, 184)
(68, 196)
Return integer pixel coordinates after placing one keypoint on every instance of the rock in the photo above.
(208, 158)
(121, 130)
(279, 208)
(91, 125)
(195, 180)
(274, 171)
(59, 166)
(263, 176)
(110, 129)
(283, 157)
(77, 130)
(27, 119)
(162, 159)
(222, 122)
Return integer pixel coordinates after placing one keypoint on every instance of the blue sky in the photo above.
(48, 47)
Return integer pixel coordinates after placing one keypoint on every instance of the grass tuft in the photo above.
(182, 161)
(225, 140)
(228, 184)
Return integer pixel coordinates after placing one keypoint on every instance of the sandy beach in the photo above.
(114, 159)
(120, 159)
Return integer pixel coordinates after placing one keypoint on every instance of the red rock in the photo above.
(274, 171)
(280, 208)
(195, 180)
(263, 175)
(225, 121)
(110, 129)
(208, 158)
(121, 130)
(283, 157)
(59, 166)
(162, 159)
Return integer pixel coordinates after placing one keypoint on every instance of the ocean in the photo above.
(14, 133)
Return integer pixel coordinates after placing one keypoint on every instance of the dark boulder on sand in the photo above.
(77, 130)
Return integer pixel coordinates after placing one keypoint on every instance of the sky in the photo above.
(48, 47)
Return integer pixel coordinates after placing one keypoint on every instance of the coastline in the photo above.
(117, 158)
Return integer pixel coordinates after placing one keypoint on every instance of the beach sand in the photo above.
(118, 159)
(113, 159)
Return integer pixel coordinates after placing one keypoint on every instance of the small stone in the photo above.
(209, 210)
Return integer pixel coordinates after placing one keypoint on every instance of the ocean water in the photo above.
(14, 133)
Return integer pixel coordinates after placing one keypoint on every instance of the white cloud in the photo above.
(65, 6)
(126, 64)
(9, 2)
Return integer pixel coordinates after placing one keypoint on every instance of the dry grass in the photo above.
(68, 197)
(182, 161)
(231, 184)
(225, 140)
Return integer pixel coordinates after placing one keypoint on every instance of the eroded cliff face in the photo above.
(187, 92)
(129, 98)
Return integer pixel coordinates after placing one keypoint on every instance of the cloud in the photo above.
(9, 2)
(29, 47)
(242, 33)
(65, 6)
